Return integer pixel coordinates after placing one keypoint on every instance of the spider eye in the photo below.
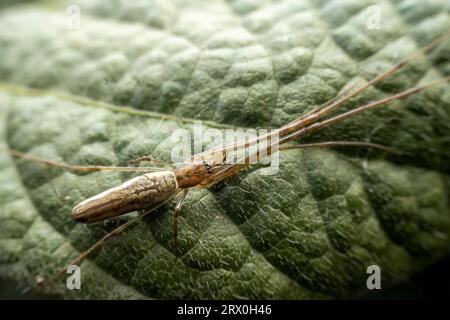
(207, 166)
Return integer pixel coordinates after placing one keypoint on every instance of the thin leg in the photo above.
(230, 170)
(328, 122)
(79, 168)
(329, 107)
(340, 144)
(87, 253)
(176, 213)
(149, 159)
(286, 127)
(326, 104)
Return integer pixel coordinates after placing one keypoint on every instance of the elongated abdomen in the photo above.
(146, 191)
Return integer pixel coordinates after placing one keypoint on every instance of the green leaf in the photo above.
(117, 87)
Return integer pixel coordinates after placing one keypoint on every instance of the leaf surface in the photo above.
(134, 72)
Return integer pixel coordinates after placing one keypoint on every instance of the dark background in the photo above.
(432, 283)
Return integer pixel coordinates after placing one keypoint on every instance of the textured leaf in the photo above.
(308, 232)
